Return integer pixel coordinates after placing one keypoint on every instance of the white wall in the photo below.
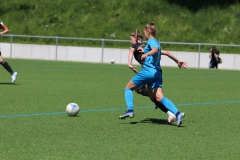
(88, 54)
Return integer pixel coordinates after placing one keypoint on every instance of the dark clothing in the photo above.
(214, 61)
(137, 54)
(7, 67)
(213, 56)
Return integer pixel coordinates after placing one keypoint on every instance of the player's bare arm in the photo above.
(4, 28)
(130, 57)
(140, 49)
(181, 64)
(152, 52)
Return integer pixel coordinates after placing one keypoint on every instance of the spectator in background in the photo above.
(214, 56)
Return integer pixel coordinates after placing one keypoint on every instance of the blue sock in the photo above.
(169, 105)
(129, 99)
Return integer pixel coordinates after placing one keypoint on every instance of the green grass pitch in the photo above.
(34, 125)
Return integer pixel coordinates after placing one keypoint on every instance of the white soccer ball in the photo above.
(72, 109)
(112, 61)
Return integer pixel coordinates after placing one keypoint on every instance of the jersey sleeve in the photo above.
(153, 44)
(2, 26)
(134, 46)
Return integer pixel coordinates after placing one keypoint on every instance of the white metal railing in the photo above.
(112, 40)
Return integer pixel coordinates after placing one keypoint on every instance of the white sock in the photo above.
(170, 114)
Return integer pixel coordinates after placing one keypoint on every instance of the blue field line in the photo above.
(115, 109)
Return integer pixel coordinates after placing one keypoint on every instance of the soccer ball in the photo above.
(112, 61)
(72, 109)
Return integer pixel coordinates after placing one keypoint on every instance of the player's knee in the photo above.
(143, 91)
(137, 90)
(154, 100)
(159, 98)
(2, 62)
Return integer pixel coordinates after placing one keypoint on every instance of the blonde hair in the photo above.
(151, 28)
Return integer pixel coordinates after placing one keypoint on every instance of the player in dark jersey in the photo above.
(136, 41)
(2, 62)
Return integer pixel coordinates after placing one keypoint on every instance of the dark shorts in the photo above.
(213, 64)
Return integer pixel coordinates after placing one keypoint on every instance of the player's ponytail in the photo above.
(138, 36)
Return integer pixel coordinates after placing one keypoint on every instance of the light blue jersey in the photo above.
(151, 73)
(153, 61)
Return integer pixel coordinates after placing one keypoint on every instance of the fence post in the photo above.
(56, 48)
(11, 37)
(199, 52)
(102, 50)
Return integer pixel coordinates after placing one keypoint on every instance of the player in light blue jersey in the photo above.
(151, 75)
(136, 41)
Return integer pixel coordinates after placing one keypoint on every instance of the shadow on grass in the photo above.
(4, 83)
(151, 120)
(154, 121)
(78, 116)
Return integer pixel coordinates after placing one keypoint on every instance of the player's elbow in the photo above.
(5, 31)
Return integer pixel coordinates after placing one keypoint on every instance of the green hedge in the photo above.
(210, 23)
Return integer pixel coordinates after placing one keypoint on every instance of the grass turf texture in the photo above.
(34, 125)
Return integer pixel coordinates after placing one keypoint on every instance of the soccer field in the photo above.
(34, 124)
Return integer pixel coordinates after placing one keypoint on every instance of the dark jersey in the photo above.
(213, 56)
(137, 54)
(1, 27)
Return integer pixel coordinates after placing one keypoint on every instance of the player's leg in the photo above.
(8, 68)
(6, 65)
(145, 91)
(171, 116)
(129, 100)
(139, 80)
(158, 84)
(142, 90)
(168, 104)
(151, 96)
(148, 93)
